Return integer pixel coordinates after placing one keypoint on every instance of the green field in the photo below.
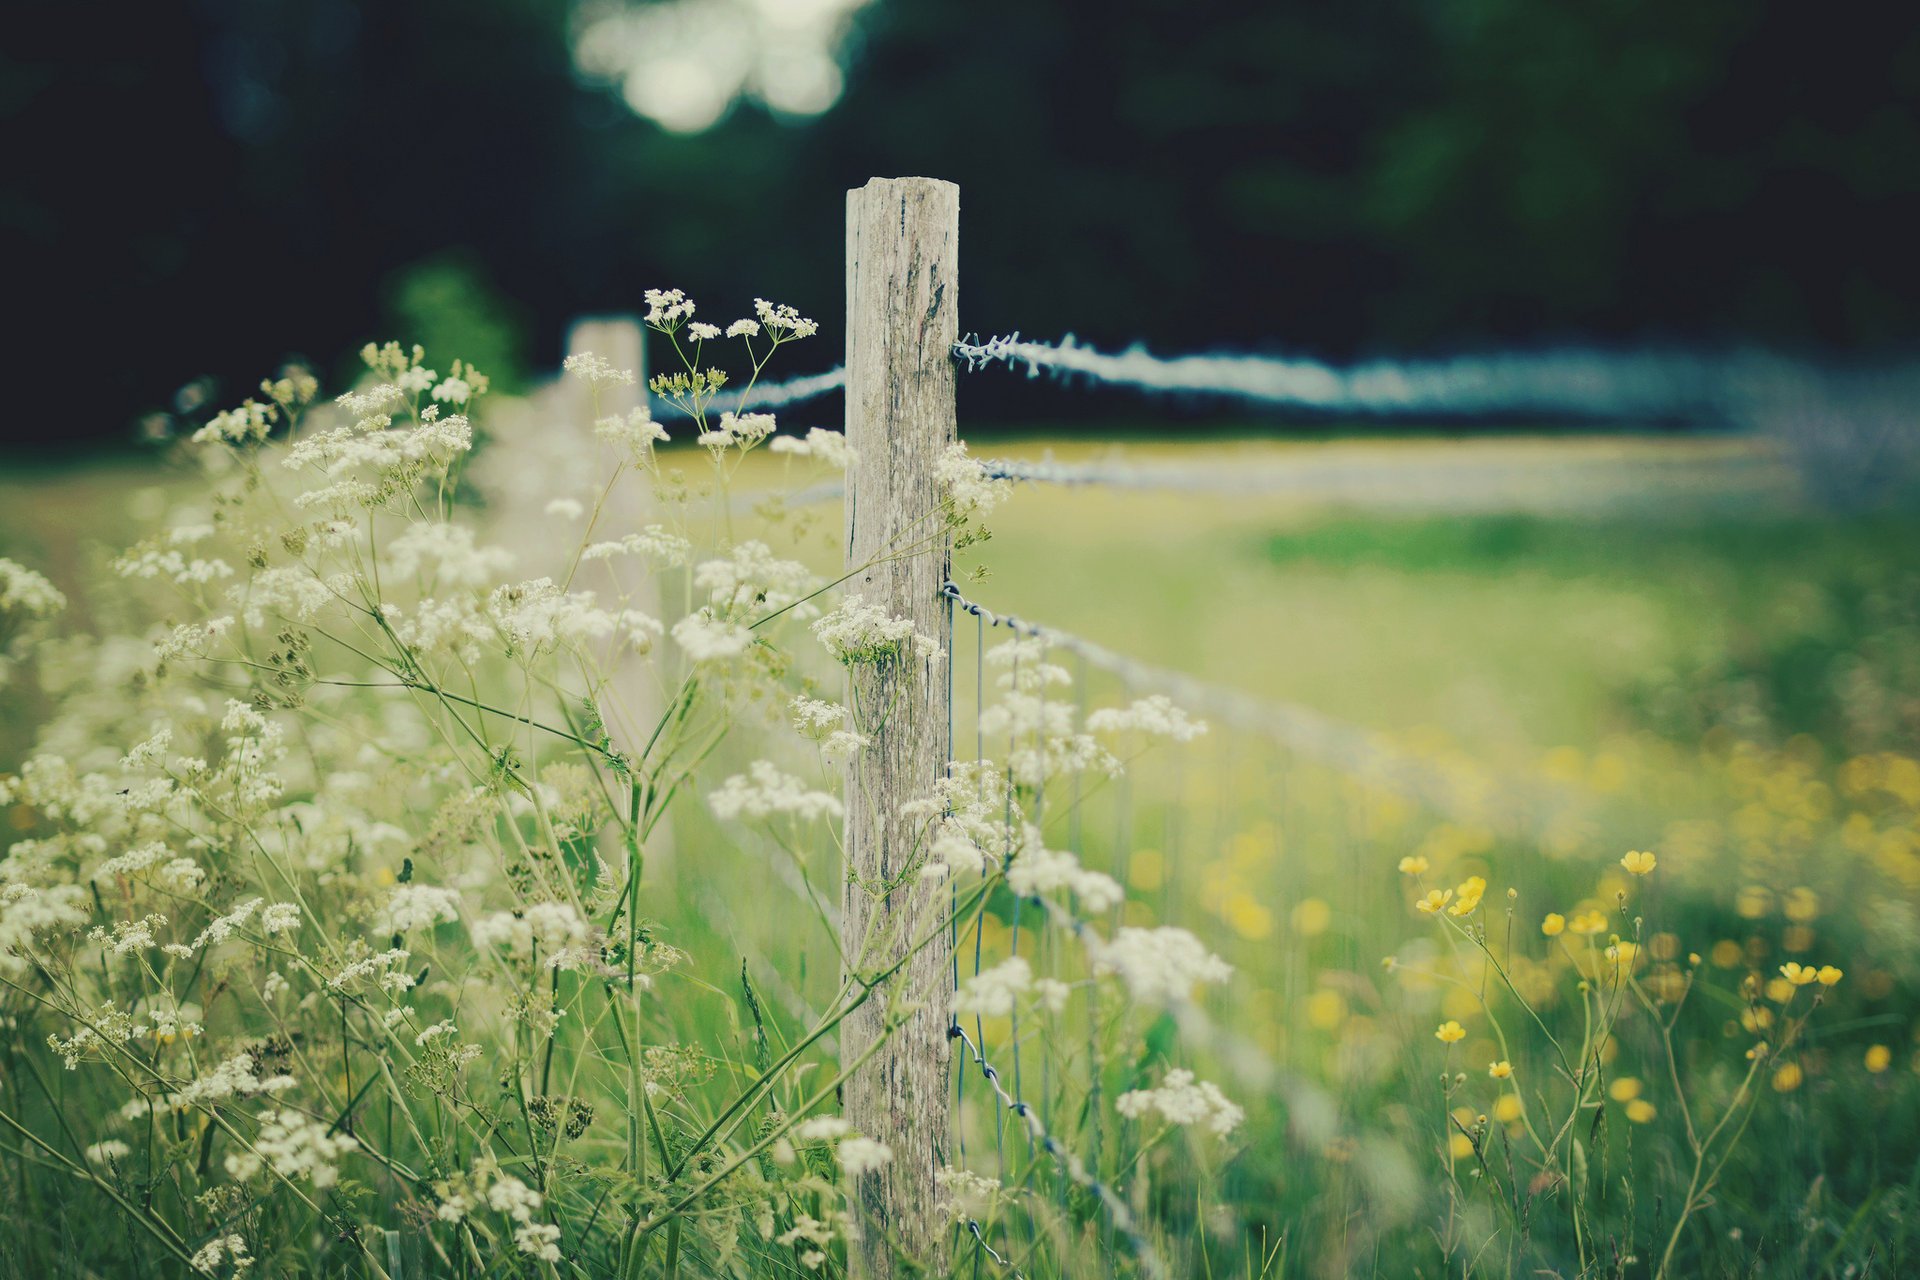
(1549, 652)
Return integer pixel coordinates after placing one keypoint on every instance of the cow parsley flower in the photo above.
(970, 491)
(655, 543)
(858, 632)
(666, 308)
(1157, 966)
(231, 1249)
(635, 434)
(1038, 870)
(597, 371)
(295, 1147)
(25, 592)
(1155, 716)
(783, 322)
(706, 638)
(862, 1155)
(750, 578)
(1183, 1100)
(764, 791)
(417, 906)
(828, 447)
(554, 928)
(992, 993)
(447, 553)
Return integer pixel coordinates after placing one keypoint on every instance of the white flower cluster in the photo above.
(827, 447)
(666, 308)
(221, 928)
(597, 371)
(739, 431)
(655, 543)
(384, 969)
(234, 1077)
(28, 593)
(230, 1248)
(538, 617)
(751, 579)
(295, 1147)
(417, 906)
(706, 638)
(1037, 870)
(815, 718)
(862, 1155)
(993, 993)
(1040, 733)
(764, 791)
(149, 561)
(248, 424)
(1158, 966)
(447, 554)
(554, 929)
(1155, 717)
(970, 491)
(504, 1194)
(1183, 1100)
(635, 434)
(26, 910)
(783, 322)
(964, 1195)
(858, 632)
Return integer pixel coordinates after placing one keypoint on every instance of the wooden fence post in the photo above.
(903, 239)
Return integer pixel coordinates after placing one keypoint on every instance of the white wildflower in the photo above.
(829, 447)
(764, 791)
(655, 543)
(446, 553)
(705, 638)
(1154, 716)
(862, 1155)
(1158, 966)
(1183, 1100)
(597, 370)
(417, 906)
(970, 491)
(859, 632)
(294, 1147)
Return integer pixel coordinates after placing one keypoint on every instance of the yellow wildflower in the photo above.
(1638, 863)
(1507, 1108)
(1501, 1070)
(1435, 900)
(1624, 1089)
(1801, 974)
(1829, 974)
(1588, 922)
(1460, 1145)
(1414, 865)
(1640, 1111)
(1470, 895)
(1879, 1058)
(1450, 1032)
(1554, 925)
(1788, 1077)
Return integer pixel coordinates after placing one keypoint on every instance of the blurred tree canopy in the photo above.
(212, 186)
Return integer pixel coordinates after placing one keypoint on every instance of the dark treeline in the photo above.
(209, 187)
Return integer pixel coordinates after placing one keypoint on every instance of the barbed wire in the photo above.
(1346, 747)
(1070, 1163)
(1646, 384)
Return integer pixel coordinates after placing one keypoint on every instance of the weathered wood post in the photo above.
(903, 240)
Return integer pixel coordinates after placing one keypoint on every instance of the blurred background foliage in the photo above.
(210, 186)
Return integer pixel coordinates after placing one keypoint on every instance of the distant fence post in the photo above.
(903, 238)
